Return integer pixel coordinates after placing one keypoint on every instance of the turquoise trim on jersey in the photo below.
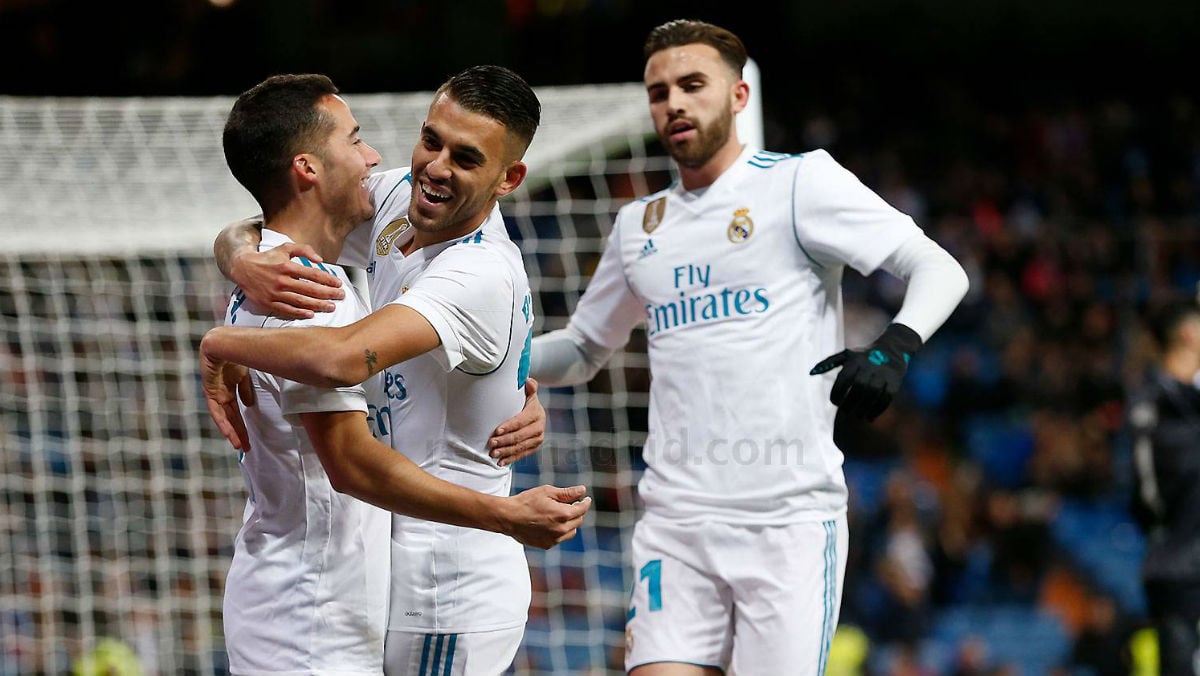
(450, 655)
(309, 264)
(526, 360)
(407, 179)
(796, 177)
(764, 159)
(830, 595)
(235, 304)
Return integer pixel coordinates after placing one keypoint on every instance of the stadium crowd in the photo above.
(990, 518)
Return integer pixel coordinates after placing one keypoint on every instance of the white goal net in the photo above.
(119, 501)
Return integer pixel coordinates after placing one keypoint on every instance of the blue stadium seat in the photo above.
(1102, 539)
(1002, 446)
(1032, 640)
(866, 479)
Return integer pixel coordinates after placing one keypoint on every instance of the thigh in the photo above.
(787, 597)
(678, 613)
(482, 653)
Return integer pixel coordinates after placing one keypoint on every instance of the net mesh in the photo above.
(118, 499)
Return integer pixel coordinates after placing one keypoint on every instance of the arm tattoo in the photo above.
(372, 360)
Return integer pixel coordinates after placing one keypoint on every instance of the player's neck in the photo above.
(322, 232)
(423, 238)
(694, 178)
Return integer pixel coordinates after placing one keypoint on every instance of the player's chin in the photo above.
(366, 212)
(427, 220)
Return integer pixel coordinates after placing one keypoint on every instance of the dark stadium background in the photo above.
(1052, 146)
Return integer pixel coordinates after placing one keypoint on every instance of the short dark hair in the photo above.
(1166, 320)
(682, 32)
(500, 94)
(270, 123)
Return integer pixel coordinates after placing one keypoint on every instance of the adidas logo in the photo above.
(648, 249)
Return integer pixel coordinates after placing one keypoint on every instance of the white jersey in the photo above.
(307, 587)
(739, 286)
(443, 406)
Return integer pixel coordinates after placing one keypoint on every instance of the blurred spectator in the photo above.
(904, 566)
(1102, 645)
(1166, 420)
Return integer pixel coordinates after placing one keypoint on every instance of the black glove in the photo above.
(870, 377)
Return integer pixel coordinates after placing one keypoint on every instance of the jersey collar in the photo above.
(724, 183)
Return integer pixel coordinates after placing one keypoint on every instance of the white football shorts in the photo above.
(745, 599)
(480, 653)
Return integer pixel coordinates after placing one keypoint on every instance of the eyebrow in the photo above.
(474, 154)
(694, 75)
(354, 131)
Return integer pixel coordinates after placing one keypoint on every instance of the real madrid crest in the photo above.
(741, 228)
(383, 243)
(654, 214)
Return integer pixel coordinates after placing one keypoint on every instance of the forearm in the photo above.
(313, 355)
(566, 357)
(326, 356)
(389, 480)
(234, 240)
(360, 466)
(936, 284)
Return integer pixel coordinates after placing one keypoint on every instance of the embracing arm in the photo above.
(360, 466)
(327, 356)
(567, 357)
(271, 279)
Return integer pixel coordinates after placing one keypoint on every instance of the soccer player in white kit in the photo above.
(310, 564)
(735, 272)
(450, 339)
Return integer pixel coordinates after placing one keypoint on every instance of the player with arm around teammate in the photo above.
(306, 591)
(735, 272)
(450, 339)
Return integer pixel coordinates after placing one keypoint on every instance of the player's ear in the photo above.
(514, 175)
(741, 95)
(305, 168)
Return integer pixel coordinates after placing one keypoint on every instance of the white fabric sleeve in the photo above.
(294, 397)
(838, 220)
(936, 284)
(608, 310)
(466, 294)
(566, 357)
(356, 250)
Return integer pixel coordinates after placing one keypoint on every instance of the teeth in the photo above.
(431, 193)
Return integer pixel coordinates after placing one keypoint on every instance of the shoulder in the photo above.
(483, 255)
(390, 177)
(644, 209)
(765, 160)
(388, 186)
(818, 163)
